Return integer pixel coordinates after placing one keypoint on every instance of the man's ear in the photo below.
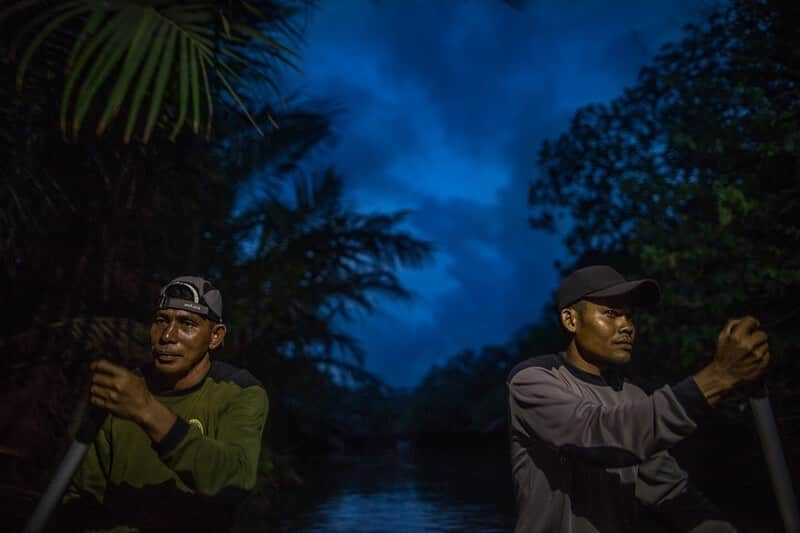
(569, 319)
(217, 336)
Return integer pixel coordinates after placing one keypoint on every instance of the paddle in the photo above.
(93, 418)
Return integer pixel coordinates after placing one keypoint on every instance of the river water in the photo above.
(398, 492)
(406, 491)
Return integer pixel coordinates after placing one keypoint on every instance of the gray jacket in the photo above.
(588, 451)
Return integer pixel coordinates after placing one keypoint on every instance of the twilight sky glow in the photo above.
(445, 105)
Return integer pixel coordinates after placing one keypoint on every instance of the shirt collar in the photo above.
(612, 377)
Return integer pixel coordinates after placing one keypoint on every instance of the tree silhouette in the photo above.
(692, 176)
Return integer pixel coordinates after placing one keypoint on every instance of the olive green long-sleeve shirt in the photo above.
(191, 480)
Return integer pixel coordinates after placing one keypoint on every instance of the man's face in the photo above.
(604, 331)
(179, 340)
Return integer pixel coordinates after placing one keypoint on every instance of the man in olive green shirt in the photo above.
(181, 445)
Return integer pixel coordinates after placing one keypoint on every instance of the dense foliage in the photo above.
(693, 175)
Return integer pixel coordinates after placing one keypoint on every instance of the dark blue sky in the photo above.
(445, 105)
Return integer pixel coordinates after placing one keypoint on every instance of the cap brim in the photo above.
(641, 293)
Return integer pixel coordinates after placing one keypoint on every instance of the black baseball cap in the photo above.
(192, 293)
(602, 281)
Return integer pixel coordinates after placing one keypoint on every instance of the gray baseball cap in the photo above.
(194, 294)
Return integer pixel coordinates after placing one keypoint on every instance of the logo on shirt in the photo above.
(199, 425)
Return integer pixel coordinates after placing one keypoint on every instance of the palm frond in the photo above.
(169, 54)
(315, 263)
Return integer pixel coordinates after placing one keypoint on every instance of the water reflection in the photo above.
(393, 492)
(397, 511)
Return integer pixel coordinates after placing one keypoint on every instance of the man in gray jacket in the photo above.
(588, 448)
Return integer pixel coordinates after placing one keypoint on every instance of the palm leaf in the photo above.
(145, 76)
(76, 61)
(101, 69)
(194, 83)
(209, 103)
(183, 88)
(135, 56)
(45, 32)
(160, 83)
(125, 52)
(90, 28)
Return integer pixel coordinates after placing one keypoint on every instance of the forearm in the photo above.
(713, 383)
(156, 420)
(209, 466)
(625, 433)
(206, 465)
(226, 460)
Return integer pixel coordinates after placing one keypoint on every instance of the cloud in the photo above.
(446, 104)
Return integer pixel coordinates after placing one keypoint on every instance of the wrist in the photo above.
(714, 382)
(155, 419)
(144, 415)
